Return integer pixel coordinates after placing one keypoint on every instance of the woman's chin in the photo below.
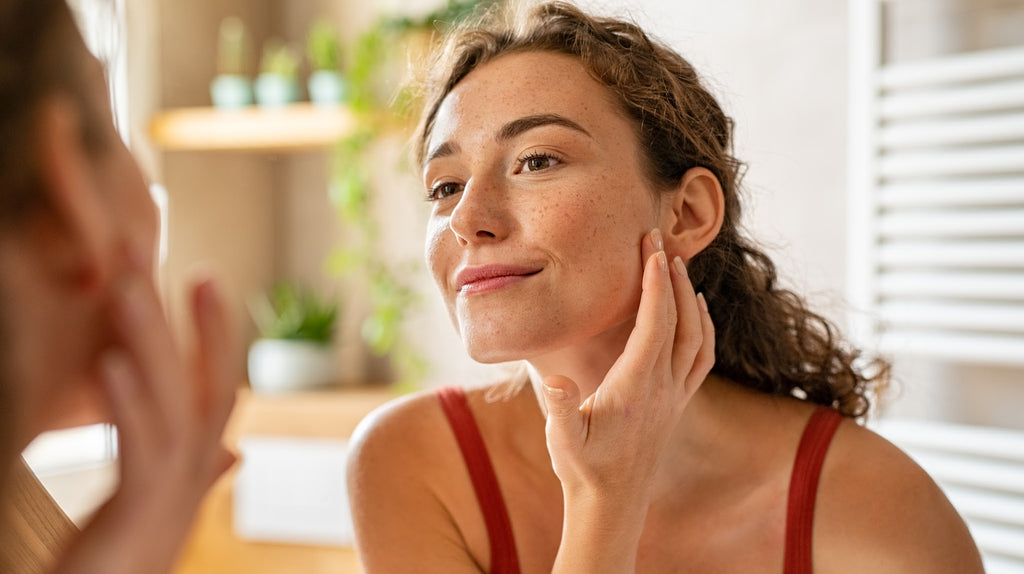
(492, 356)
(496, 348)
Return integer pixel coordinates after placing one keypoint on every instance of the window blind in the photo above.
(936, 200)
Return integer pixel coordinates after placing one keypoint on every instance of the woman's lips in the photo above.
(483, 278)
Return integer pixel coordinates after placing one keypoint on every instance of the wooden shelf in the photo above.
(297, 127)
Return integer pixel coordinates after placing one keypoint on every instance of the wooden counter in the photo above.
(213, 548)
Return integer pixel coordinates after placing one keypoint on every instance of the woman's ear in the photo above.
(74, 224)
(697, 209)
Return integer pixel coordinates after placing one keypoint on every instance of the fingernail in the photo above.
(679, 265)
(555, 393)
(659, 243)
(702, 303)
(663, 261)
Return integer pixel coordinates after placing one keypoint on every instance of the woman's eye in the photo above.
(538, 161)
(443, 190)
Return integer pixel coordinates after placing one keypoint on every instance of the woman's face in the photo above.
(539, 204)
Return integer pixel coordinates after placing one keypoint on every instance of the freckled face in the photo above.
(539, 206)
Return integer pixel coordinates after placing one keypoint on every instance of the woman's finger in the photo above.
(216, 347)
(653, 321)
(223, 462)
(689, 338)
(131, 408)
(566, 426)
(651, 246)
(146, 337)
(705, 358)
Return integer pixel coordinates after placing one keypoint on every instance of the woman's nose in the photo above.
(481, 214)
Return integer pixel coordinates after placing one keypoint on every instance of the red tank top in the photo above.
(803, 485)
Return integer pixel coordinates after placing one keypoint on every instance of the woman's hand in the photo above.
(606, 450)
(170, 414)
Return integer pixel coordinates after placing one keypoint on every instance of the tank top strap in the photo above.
(803, 488)
(485, 483)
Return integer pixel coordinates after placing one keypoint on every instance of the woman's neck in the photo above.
(586, 364)
(712, 438)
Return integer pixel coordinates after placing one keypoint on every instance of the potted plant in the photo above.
(295, 349)
(231, 88)
(326, 85)
(277, 84)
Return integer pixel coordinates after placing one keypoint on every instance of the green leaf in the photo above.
(279, 58)
(293, 312)
(322, 46)
(345, 260)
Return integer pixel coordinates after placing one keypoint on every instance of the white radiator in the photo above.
(981, 469)
(936, 209)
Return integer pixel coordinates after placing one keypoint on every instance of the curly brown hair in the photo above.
(766, 337)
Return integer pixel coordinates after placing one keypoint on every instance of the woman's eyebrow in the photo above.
(511, 130)
(445, 149)
(524, 124)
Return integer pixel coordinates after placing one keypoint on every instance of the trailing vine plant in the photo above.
(379, 109)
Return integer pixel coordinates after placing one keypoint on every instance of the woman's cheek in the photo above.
(437, 229)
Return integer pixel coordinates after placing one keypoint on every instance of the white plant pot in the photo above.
(280, 366)
(326, 88)
(230, 92)
(275, 91)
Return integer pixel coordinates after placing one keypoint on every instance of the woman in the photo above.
(582, 191)
(83, 333)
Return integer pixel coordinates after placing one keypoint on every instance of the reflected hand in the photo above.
(170, 416)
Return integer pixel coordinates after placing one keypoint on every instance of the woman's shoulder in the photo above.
(402, 427)
(879, 511)
(411, 431)
(409, 490)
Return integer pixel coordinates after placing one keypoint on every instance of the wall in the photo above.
(221, 205)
